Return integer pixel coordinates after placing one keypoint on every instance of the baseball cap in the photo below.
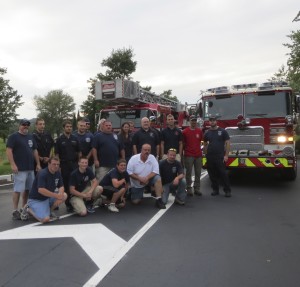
(193, 118)
(212, 117)
(24, 122)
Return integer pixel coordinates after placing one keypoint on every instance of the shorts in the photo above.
(138, 192)
(41, 208)
(23, 180)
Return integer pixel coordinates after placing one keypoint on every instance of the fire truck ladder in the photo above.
(148, 97)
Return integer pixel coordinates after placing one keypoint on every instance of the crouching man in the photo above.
(143, 170)
(115, 184)
(173, 180)
(84, 189)
(46, 194)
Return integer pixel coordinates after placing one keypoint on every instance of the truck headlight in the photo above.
(281, 139)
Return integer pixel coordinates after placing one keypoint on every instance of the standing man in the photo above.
(143, 170)
(216, 149)
(47, 193)
(145, 135)
(21, 151)
(172, 176)
(107, 149)
(67, 148)
(44, 142)
(115, 184)
(85, 139)
(84, 188)
(171, 137)
(192, 137)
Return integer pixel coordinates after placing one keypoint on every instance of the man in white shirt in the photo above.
(143, 170)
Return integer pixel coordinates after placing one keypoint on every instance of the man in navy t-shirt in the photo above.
(84, 188)
(115, 184)
(46, 194)
(216, 149)
(21, 151)
(172, 177)
(107, 149)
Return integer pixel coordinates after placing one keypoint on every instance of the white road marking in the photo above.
(90, 237)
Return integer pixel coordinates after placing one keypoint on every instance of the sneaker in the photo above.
(70, 209)
(178, 201)
(214, 193)
(160, 204)
(53, 215)
(90, 209)
(98, 202)
(199, 193)
(16, 215)
(24, 213)
(112, 207)
(227, 194)
(189, 193)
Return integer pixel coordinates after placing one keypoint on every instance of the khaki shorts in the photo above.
(78, 202)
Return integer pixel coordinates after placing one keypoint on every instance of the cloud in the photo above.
(186, 46)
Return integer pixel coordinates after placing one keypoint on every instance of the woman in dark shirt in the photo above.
(126, 138)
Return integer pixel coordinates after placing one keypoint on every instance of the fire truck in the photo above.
(260, 120)
(127, 101)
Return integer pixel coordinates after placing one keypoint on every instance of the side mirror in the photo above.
(297, 102)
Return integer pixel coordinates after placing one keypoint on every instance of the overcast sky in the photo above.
(186, 46)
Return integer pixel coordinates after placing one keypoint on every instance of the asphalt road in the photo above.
(251, 239)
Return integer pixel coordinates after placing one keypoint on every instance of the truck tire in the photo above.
(289, 173)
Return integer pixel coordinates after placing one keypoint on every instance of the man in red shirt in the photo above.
(192, 137)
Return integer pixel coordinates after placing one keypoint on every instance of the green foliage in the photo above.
(280, 75)
(54, 108)
(168, 94)
(120, 64)
(9, 102)
(4, 164)
(294, 60)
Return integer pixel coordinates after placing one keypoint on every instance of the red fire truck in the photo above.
(127, 101)
(260, 120)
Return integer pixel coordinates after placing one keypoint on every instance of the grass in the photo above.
(4, 164)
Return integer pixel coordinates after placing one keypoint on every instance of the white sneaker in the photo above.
(112, 207)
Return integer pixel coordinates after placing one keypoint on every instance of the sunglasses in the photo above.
(173, 149)
(25, 125)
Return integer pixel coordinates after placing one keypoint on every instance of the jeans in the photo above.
(189, 163)
(178, 189)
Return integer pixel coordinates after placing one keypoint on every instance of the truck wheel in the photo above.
(289, 173)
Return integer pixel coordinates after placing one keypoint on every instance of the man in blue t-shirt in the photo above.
(46, 194)
(115, 184)
(85, 139)
(84, 188)
(172, 177)
(216, 149)
(21, 151)
(107, 149)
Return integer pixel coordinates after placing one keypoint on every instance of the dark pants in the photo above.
(66, 169)
(217, 172)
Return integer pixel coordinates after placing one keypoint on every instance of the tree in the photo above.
(168, 94)
(280, 76)
(10, 100)
(293, 61)
(54, 108)
(120, 64)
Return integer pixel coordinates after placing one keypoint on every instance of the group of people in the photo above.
(85, 170)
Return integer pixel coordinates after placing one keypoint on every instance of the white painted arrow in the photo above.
(96, 240)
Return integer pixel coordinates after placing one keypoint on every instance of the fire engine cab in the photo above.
(127, 101)
(260, 120)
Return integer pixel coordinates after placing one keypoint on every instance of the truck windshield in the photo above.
(266, 105)
(227, 107)
(118, 117)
